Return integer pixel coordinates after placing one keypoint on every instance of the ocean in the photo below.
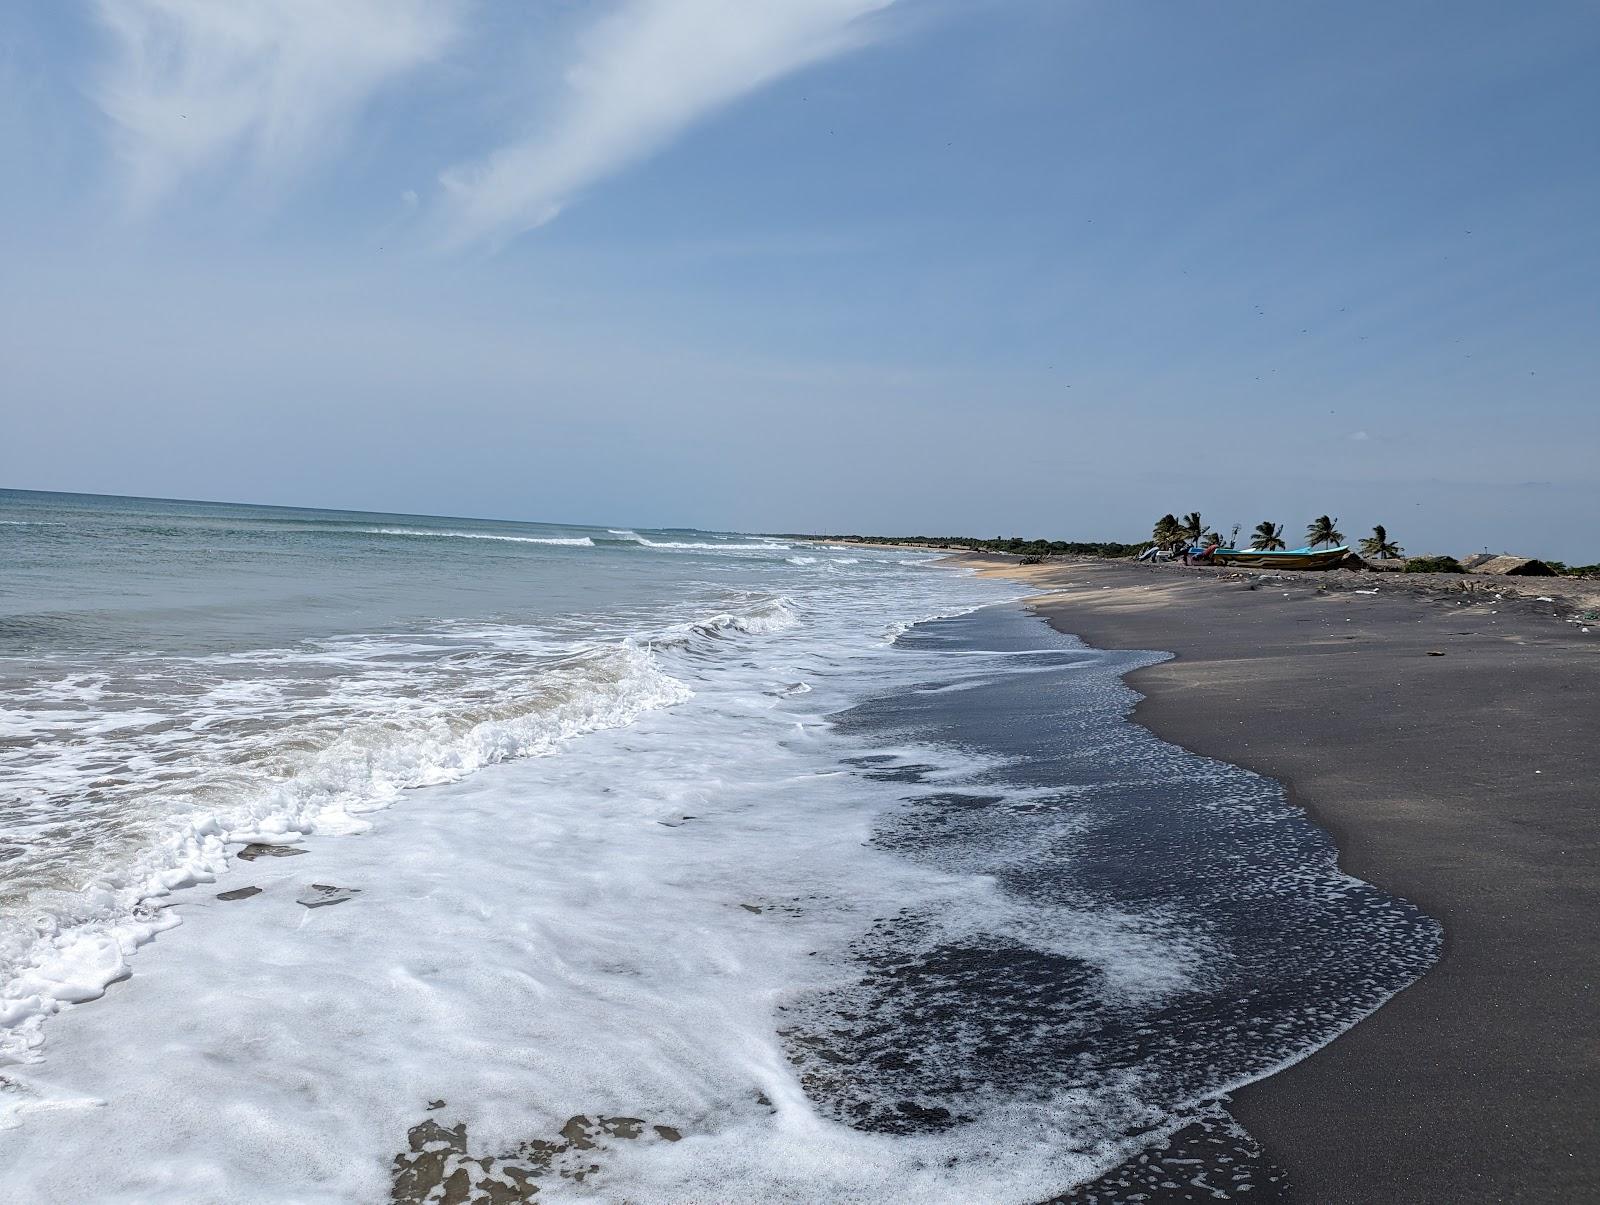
(364, 857)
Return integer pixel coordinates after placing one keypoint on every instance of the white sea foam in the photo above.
(718, 546)
(292, 742)
(634, 537)
(564, 541)
(68, 957)
(605, 932)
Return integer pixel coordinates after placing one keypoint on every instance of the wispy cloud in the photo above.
(191, 83)
(643, 75)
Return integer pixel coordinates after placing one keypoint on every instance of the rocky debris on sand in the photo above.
(257, 849)
(440, 1167)
(321, 895)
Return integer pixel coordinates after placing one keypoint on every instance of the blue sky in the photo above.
(988, 266)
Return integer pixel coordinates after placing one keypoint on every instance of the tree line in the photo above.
(1323, 531)
(1171, 532)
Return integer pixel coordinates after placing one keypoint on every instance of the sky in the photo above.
(988, 267)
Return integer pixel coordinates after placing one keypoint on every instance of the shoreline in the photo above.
(1446, 740)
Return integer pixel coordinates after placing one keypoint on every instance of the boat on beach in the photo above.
(1290, 558)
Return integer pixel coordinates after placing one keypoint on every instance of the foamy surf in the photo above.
(734, 950)
(277, 746)
(712, 878)
(72, 953)
(430, 533)
(633, 537)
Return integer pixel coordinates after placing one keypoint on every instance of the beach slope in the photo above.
(1452, 747)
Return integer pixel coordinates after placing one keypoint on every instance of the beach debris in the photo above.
(1544, 598)
(1366, 591)
(257, 849)
(1435, 653)
(323, 895)
(239, 893)
(441, 1167)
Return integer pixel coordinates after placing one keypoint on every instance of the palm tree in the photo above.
(1268, 536)
(1323, 530)
(1193, 527)
(1166, 531)
(1379, 546)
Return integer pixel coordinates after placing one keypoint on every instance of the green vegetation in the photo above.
(1566, 570)
(1323, 530)
(1267, 537)
(1175, 533)
(1379, 546)
(1194, 530)
(1434, 564)
(1167, 531)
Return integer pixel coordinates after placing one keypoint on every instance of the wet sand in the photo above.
(1450, 742)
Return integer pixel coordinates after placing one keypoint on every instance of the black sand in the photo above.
(1468, 783)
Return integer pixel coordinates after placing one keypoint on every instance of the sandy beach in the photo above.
(1447, 735)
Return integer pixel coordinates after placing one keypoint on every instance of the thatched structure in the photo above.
(1508, 566)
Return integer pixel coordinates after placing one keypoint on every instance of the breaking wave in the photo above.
(633, 537)
(293, 773)
(566, 541)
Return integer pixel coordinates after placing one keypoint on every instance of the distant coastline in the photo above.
(1116, 550)
(1006, 545)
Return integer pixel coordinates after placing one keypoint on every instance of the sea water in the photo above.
(610, 863)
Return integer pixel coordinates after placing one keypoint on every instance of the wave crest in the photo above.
(564, 541)
(74, 955)
(633, 537)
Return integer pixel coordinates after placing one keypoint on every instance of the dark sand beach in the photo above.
(1450, 742)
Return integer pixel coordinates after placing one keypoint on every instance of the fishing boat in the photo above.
(1290, 558)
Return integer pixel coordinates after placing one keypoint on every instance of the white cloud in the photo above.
(192, 82)
(641, 76)
(1359, 436)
